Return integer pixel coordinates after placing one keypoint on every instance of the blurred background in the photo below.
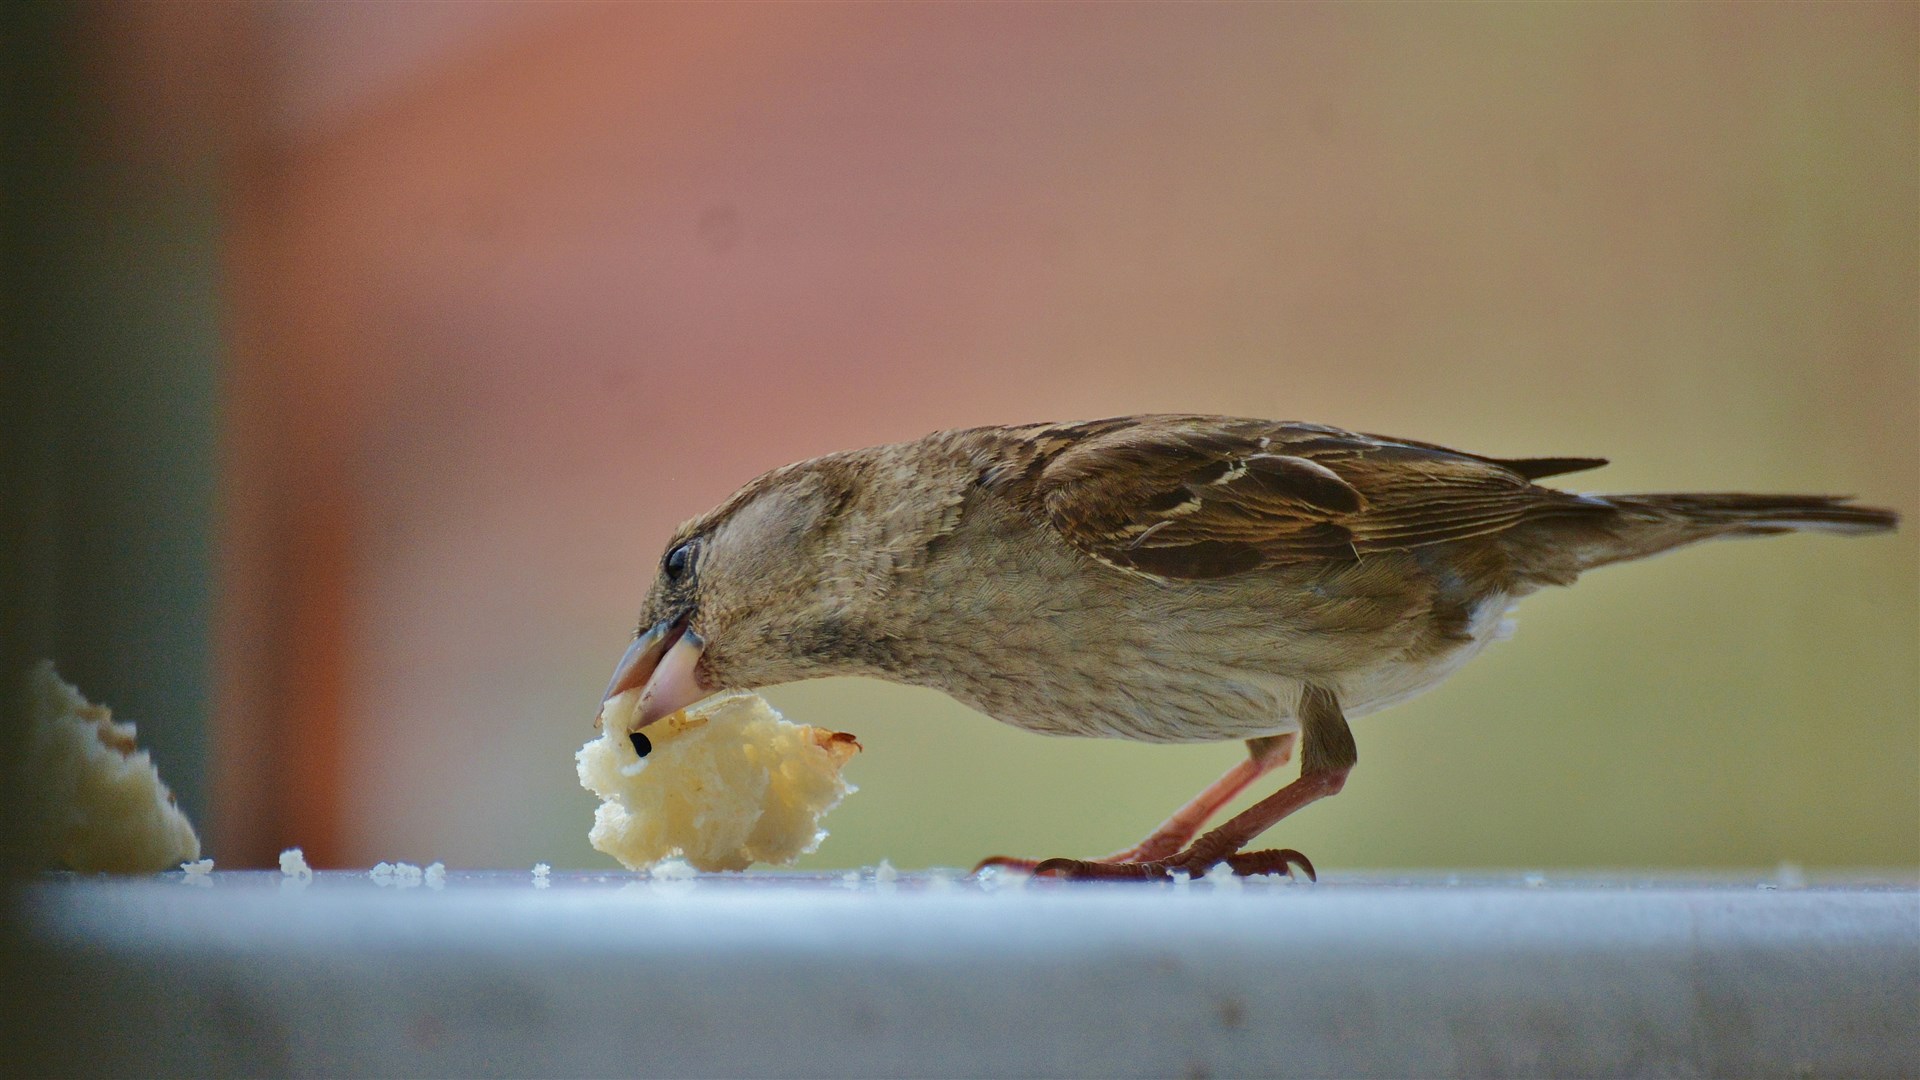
(362, 357)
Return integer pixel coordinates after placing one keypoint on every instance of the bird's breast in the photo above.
(1034, 634)
(1008, 619)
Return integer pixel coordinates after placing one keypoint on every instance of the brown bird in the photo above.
(1159, 578)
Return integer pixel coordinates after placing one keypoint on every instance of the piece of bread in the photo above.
(97, 803)
(725, 783)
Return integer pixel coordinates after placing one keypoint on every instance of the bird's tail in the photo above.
(1649, 524)
(1759, 515)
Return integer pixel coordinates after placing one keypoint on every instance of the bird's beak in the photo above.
(665, 660)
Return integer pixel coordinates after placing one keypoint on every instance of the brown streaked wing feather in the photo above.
(1205, 497)
(1540, 468)
(1530, 468)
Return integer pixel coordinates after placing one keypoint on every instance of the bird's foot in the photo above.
(1146, 851)
(1192, 862)
(1197, 859)
(1271, 861)
(1100, 870)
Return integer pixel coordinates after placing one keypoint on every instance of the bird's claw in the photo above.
(1243, 864)
(1138, 854)
(1273, 861)
(1090, 870)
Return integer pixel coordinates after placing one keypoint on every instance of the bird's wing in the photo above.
(1207, 497)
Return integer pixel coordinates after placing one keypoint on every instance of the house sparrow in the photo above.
(1161, 578)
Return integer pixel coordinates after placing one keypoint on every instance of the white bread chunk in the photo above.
(727, 783)
(97, 802)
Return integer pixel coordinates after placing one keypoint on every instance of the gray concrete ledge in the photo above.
(770, 975)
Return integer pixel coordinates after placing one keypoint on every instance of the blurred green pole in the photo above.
(109, 345)
(111, 255)
(29, 479)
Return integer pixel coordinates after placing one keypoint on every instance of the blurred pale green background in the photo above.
(513, 289)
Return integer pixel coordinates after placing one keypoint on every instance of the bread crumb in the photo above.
(674, 869)
(728, 783)
(1001, 877)
(201, 868)
(399, 874)
(1221, 877)
(672, 876)
(436, 875)
(95, 803)
(885, 874)
(293, 863)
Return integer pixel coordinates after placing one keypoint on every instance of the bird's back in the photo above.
(1181, 578)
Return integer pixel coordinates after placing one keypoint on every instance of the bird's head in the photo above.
(760, 590)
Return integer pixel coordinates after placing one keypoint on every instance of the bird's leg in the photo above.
(1263, 756)
(1222, 844)
(1328, 757)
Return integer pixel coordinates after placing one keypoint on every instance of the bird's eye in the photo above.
(641, 744)
(679, 561)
